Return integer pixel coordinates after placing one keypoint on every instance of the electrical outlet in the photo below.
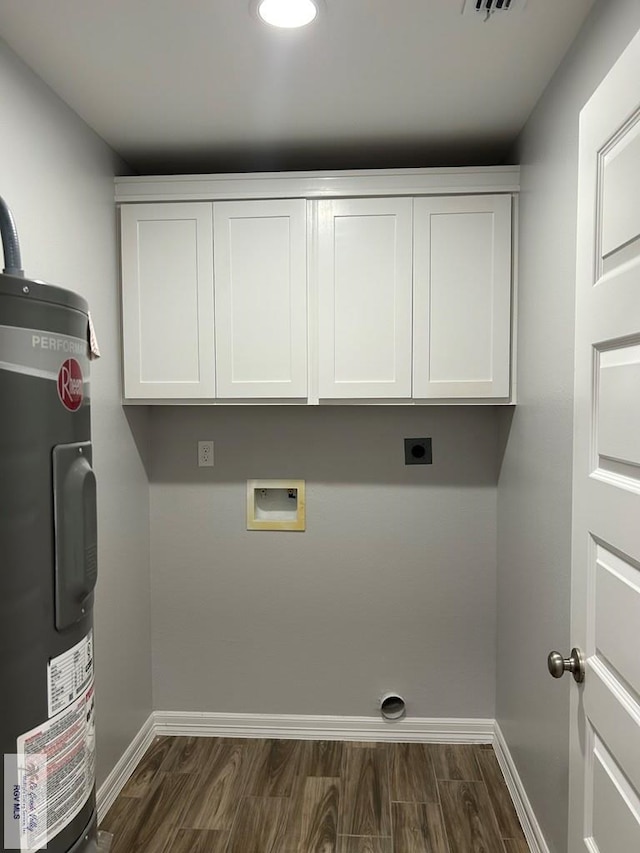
(205, 454)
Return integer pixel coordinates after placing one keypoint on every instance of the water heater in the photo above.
(48, 564)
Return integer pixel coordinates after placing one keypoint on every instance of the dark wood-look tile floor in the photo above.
(223, 795)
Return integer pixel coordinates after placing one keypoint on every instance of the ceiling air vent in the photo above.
(488, 7)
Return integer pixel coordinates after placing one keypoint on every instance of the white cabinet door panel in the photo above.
(261, 298)
(167, 277)
(462, 290)
(364, 297)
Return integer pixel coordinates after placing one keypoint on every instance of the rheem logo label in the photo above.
(70, 385)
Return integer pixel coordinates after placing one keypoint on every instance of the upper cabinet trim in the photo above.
(377, 182)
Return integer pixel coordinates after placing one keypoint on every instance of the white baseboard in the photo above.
(117, 779)
(530, 826)
(304, 727)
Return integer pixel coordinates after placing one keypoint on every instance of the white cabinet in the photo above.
(404, 293)
(260, 298)
(364, 298)
(452, 339)
(246, 257)
(167, 301)
(462, 297)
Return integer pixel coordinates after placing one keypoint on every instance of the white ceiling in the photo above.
(201, 85)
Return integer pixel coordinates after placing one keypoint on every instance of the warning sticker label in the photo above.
(69, 675)
(68, 742)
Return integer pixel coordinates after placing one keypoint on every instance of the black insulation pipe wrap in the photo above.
(10, 242)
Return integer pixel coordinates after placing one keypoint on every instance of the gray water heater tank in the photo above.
(48, 569)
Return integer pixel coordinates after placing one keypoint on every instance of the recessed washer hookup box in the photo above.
(276, 505)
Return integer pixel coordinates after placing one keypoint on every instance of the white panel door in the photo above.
(261, 298)
(364, 297)
(462, 297)
(605, 711)
(167, 301)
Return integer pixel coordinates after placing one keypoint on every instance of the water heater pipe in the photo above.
(10, 242)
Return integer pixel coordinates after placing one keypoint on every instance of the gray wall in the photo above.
(391, 586)
(57, 176)
(534, 494)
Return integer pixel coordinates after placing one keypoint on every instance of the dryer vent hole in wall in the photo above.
(417, 451)
(392, 707)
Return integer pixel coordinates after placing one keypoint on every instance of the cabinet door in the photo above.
(261, 298)
(462, 297)
(364, 298)
(167, 301)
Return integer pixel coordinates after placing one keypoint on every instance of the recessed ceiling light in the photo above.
(288, 14)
